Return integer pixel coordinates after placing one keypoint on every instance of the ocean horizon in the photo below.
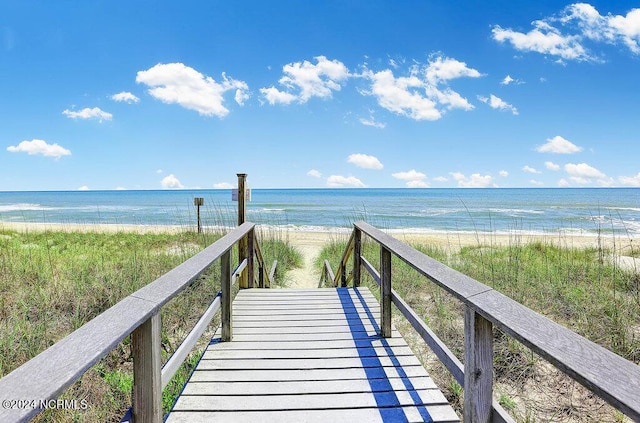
(576, 211)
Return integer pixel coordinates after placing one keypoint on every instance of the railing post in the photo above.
(250, 239)
(385, 292)
(357, 254)
(147, 374)
(261, 275)
(478, 367)
(225, 272)
(242, 211)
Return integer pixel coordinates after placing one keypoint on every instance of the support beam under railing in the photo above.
(147, 376)
(225, 281)
(357, 253)
(478, 375)
(385, 292)
(251, 248)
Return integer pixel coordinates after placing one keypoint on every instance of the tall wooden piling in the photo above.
(243, 250)
(198, 201)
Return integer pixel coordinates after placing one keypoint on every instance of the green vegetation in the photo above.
(51, 283)
(583, 289)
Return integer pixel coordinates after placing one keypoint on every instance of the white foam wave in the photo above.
(635, 209)
(266, 210)
(23, 207)
(516, 211)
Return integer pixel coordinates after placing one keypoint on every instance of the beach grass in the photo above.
(583, 289)
(53, 282)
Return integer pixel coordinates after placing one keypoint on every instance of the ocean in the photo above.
(580, 211)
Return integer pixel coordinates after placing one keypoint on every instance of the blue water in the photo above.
(580, 211)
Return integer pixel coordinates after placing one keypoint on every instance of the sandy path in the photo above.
(309, 244)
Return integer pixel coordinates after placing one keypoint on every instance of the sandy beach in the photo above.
(310, 243)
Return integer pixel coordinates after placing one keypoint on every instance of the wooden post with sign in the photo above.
(198, 201)
(243, 250)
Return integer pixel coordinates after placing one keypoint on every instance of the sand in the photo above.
(310, 243)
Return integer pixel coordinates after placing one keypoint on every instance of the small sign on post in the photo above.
(198, 201)
(234, 194)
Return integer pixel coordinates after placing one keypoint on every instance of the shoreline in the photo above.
(452, 239)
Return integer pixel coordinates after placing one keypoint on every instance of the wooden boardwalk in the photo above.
(309, 355)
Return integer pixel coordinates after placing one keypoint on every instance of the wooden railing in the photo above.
(50, 373)
(611, 377)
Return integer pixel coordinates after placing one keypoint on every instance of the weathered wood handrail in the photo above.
(264, 279)
(51, 372)
(327, 274)
(439, 348)
(342, 267)
(606, 374)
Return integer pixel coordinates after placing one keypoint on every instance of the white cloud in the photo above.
(125, 96)
(563, 183)
(314, 173)
(611, 29)
(87, 113)
(338, 181)
(120, 189)
(508, 80)
(372, 122)
(498, 103)
(530, 169)
(159, 171)
(171, 182)
(633, 181)
(474, 181)
(580, 22)
(422, 94)
(544, 39)
(222, 185)
(503, 173)
(275, 96)
(580, 180)
(583, 170)
(41, 147)
(175, 83)
(418, 183)
(552, 166)
(606, 182)
(558, 145)
(536, 182)
(440, 179)
(444, 69)
(365, 161)
(402, 96)
(307, 80)
(413, 178)
(83, 188)
(409, 176)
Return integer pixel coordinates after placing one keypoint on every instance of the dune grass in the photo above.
(583, 289)
(51, 283)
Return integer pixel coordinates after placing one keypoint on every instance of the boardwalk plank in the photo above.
(438, 413)
(311, 355)
(304, 345)
(304, 387)
(299, 329)
(311, 401)
(309, 375)
(308, 363)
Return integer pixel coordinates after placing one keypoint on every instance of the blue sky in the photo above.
(151, 95)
